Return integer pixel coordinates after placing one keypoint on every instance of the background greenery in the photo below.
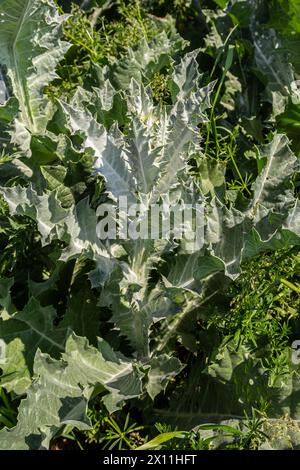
(258, 314)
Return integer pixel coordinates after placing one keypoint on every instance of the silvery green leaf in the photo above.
(162, 369)
(182, 272)
(146, 59)
(82, 315)
(9, 110)
(292, 222)
(140, 102)
(61, 389)
(141, 157)
(232, 87)
(45, 210)
(81, 232)
(211, 176)
(225, 360)
(23, 333)
(77, 226)
(273, 187)
(110, 159)
(55, 177)
(229, 248)
(185, 76)
(275, 69)
(110, 105)
(30, 49)
(7, 307)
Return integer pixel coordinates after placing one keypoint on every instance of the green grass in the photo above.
(103, 42)
(264, 309)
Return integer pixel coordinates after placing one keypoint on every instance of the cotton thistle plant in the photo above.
(147, 163)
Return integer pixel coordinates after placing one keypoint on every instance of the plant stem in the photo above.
(290, 285)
